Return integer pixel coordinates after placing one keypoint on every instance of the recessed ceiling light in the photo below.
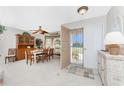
(82, 10)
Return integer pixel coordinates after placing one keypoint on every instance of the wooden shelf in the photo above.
(22, 41)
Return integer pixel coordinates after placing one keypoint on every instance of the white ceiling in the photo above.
(49, 17)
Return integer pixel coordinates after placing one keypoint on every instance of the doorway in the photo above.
(72, 46)
(77, 46)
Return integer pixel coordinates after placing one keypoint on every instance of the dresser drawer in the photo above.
(117, 64)
(113, 66)
(116, 81)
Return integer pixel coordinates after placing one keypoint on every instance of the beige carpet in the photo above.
(43, 74)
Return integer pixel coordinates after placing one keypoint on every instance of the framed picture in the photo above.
(117, 24)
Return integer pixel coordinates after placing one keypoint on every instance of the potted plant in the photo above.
(39, 43)
(2, 28)
(26, 34)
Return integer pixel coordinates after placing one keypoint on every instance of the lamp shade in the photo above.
(114, 38)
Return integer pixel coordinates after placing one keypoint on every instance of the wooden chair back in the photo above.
(28, 54)
(50, 51)
(12, 51)
(45, 51)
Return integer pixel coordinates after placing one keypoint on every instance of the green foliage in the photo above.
(25, 33)
(57, 44)
(75, 53)
(77, 44)
(2, 28)
(39, 43)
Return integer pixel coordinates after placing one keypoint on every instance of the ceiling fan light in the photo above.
(39, 31)
(40, 27)
(82, 10)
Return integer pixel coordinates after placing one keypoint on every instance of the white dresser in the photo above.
(111, 69)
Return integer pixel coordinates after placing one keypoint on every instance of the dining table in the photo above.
(37, 52)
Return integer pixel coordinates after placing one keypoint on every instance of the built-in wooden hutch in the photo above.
(22, 42)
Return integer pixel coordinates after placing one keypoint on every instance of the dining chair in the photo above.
(43, 56)
(57, 52)
(11, 55)
(51, 53)
(29, 57)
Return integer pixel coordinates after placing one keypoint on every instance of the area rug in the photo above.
(81, 71)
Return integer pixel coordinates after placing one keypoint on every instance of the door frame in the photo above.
(65, 57)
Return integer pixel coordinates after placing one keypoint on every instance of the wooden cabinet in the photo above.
(22, 41)
(111, 69)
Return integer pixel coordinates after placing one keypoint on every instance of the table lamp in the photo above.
(112, 42)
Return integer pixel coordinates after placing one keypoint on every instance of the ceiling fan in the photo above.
(40, 31)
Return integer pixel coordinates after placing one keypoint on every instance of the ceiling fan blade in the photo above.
(43, 32)
(34, 32)
(46, 32)
(40, 31)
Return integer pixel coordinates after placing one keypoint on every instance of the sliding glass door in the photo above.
(77, 46)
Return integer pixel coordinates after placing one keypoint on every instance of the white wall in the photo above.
(94, 30)
(114, 12)
(49, 17)
(8, 40)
